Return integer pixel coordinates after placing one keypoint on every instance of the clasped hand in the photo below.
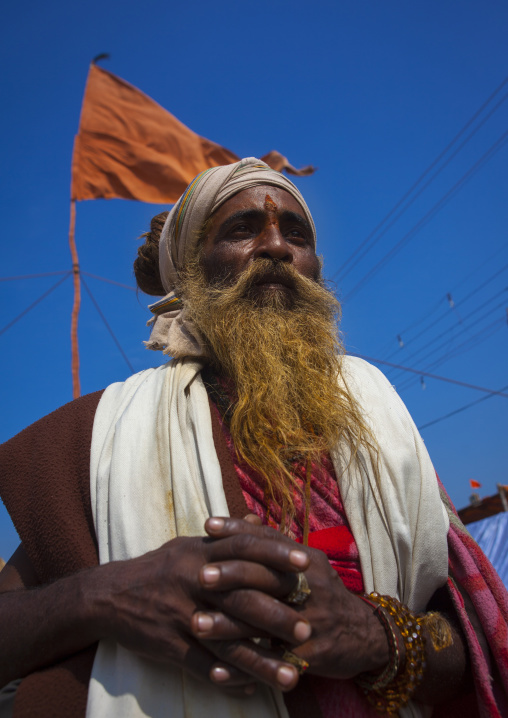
(198, 602)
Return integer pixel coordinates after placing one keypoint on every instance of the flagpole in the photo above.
(76, 387)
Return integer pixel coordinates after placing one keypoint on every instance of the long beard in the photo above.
(282, 351)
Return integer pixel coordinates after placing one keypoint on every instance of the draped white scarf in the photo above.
(155, 475)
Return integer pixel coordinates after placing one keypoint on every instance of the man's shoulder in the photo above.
(79, 411)
(77, 414)
(359, 371)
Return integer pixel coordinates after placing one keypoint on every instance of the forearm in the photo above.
(447, 671)
(40, 626)
(428, 653)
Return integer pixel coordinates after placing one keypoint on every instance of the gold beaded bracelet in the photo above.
(388, 699)
(376, 681)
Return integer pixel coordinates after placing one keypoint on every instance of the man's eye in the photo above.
(297, 234)
(240, 229)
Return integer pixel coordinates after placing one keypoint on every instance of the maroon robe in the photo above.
(45, 485)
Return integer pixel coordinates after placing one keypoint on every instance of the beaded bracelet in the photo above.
(389, 698)
(373, 681)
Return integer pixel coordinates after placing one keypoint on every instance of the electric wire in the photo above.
(109, 281)
(426, 172)
(462, 301)
(33, 276)
(470, 343)
(439, 304)
(465, 324)
(473, 340)
(430, 376)
(106, 324)
(39, 299)
(493, 149)
(460, 409)
(344, 273)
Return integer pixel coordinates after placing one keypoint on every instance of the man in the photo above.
(259, 417)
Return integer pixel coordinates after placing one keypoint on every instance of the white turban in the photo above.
(172, 330)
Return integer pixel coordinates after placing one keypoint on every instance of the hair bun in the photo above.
(146, 264)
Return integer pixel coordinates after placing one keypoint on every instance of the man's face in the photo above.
(259, 222)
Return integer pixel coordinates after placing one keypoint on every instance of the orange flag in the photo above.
(474, 484)
(130, 147)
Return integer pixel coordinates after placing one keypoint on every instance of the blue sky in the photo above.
(370, 93)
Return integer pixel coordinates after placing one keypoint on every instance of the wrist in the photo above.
(393, 688)
(93, 602)
(377, 645)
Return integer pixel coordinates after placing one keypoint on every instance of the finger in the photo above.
(262, 664)
(259, 546)
(234, 682)
(229, 677)
(194, 657)
(214, 625)
(253, 519)
(202, 664)
(230, 575)
(264, 613)
(221, 527)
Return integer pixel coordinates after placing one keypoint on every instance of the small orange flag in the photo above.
(474, 484)
(130, 147)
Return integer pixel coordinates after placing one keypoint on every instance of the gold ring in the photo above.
(300, 665)
(300, 592)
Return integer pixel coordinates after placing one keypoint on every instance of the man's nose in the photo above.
(271, 244)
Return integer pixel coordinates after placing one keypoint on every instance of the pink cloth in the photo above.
(472, 574)
(328, 531)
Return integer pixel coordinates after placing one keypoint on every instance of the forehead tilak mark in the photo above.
(270, 205)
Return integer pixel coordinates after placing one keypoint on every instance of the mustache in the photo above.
(262, 271)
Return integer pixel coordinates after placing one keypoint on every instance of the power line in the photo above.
(471, 294)
(422, 189)
(460, 409)
(33, 276)
(431, 376)
(468, 344)
(107, 326)
(493, 149)
(43, 296)
(466, 326)
(472, 342)
(429, 168)
(109, 281)
(438, 305)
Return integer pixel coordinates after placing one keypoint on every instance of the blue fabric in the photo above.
(492, 537)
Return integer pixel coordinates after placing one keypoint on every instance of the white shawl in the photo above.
(155, 475)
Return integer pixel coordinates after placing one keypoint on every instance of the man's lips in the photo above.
(274, 279)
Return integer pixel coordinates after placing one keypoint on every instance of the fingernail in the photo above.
(285, 675)
(220, 674)
(302, 631)
(216, 524)
(210, 574)
(298, 558)
(205, 622)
